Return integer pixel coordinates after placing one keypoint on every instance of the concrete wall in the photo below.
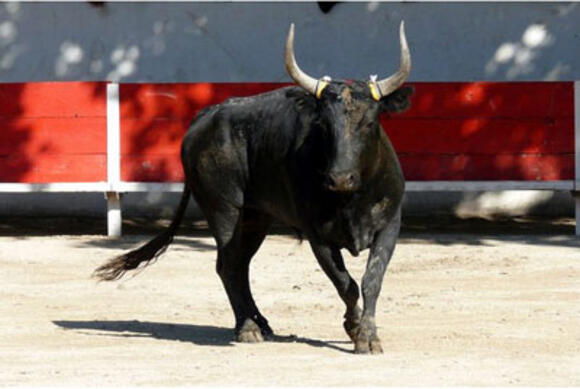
(237, 42)
(179, 42)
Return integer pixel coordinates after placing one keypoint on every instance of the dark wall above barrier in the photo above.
(243, 42)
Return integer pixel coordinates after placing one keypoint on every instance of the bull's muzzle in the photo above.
(343, 182)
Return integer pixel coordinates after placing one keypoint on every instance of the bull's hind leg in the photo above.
(239, 234)
(367, 340)
(332, 263)
(254, 227)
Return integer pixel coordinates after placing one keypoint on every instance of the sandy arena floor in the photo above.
(456, 309)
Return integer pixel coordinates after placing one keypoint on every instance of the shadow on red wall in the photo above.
(154, 118)
(53, 132)
(56, 132)
(487, 131)
(453, 131)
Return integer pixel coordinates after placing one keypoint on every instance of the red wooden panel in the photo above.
(159, 136)
(147, 101)
(53, 168)
(54, 99)
(462, 167)
(481, 135)
(453, 131)
(154, 118)
(152, 167)
(486, 131)
(492, 99)
(37, 136)
(53, 132)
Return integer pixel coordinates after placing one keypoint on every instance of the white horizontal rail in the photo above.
(55, 187)
(411, 186)
(125, 187)
(114, 209)
(577, 153)
(468, 186)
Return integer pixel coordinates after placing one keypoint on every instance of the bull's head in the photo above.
(348, 113)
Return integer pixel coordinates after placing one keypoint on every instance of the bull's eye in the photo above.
(368, 126)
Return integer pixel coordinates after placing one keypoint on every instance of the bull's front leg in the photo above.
(367, 340)
(332, 263)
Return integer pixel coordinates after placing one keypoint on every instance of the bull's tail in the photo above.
(148, 253)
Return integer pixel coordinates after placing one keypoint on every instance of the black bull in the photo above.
(314, 157)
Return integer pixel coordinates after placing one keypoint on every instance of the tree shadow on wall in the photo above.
(15, 135)
(52, 132)
(521, 131)
(155, 117)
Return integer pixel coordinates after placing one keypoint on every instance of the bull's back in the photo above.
(237, 152)
(213, 160)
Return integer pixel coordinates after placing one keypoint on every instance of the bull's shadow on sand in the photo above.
(197, 334)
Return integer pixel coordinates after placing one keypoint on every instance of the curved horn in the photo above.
(304, 80)
(389, 84)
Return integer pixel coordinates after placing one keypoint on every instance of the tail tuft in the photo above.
(115, 268)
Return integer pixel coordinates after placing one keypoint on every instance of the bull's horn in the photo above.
(388, 85)
(312, 85)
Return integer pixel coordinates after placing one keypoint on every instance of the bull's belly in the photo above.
(350, 224)
(348, 234)
(355, 229)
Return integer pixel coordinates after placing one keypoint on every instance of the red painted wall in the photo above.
(53, 132)
(453, 131)
(56, 131)
(154, 118)
(487, 131)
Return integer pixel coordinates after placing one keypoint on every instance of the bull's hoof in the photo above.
(267, 332)
(352, 328)
(249, 333)
(366, 340)
(368, 347)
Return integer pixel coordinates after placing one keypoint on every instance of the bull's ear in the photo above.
(398, 101)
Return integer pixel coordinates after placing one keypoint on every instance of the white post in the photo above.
(114, 216)
(577, 201)
(577, 153)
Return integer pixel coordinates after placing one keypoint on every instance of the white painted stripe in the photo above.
(114, 215)
(411, 186)
(577, 210)
(577, 132)
(424, 186)
(150, 187)
(54, 187)
(577, 153)
(113, 136)
(114, 210)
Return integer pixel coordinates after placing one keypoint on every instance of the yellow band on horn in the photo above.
(374, 91)
(320, 87)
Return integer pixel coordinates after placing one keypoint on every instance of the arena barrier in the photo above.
(118, 138)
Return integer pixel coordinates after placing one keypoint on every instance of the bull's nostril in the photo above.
(331, 182)
(350, 179)
(342, 182)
